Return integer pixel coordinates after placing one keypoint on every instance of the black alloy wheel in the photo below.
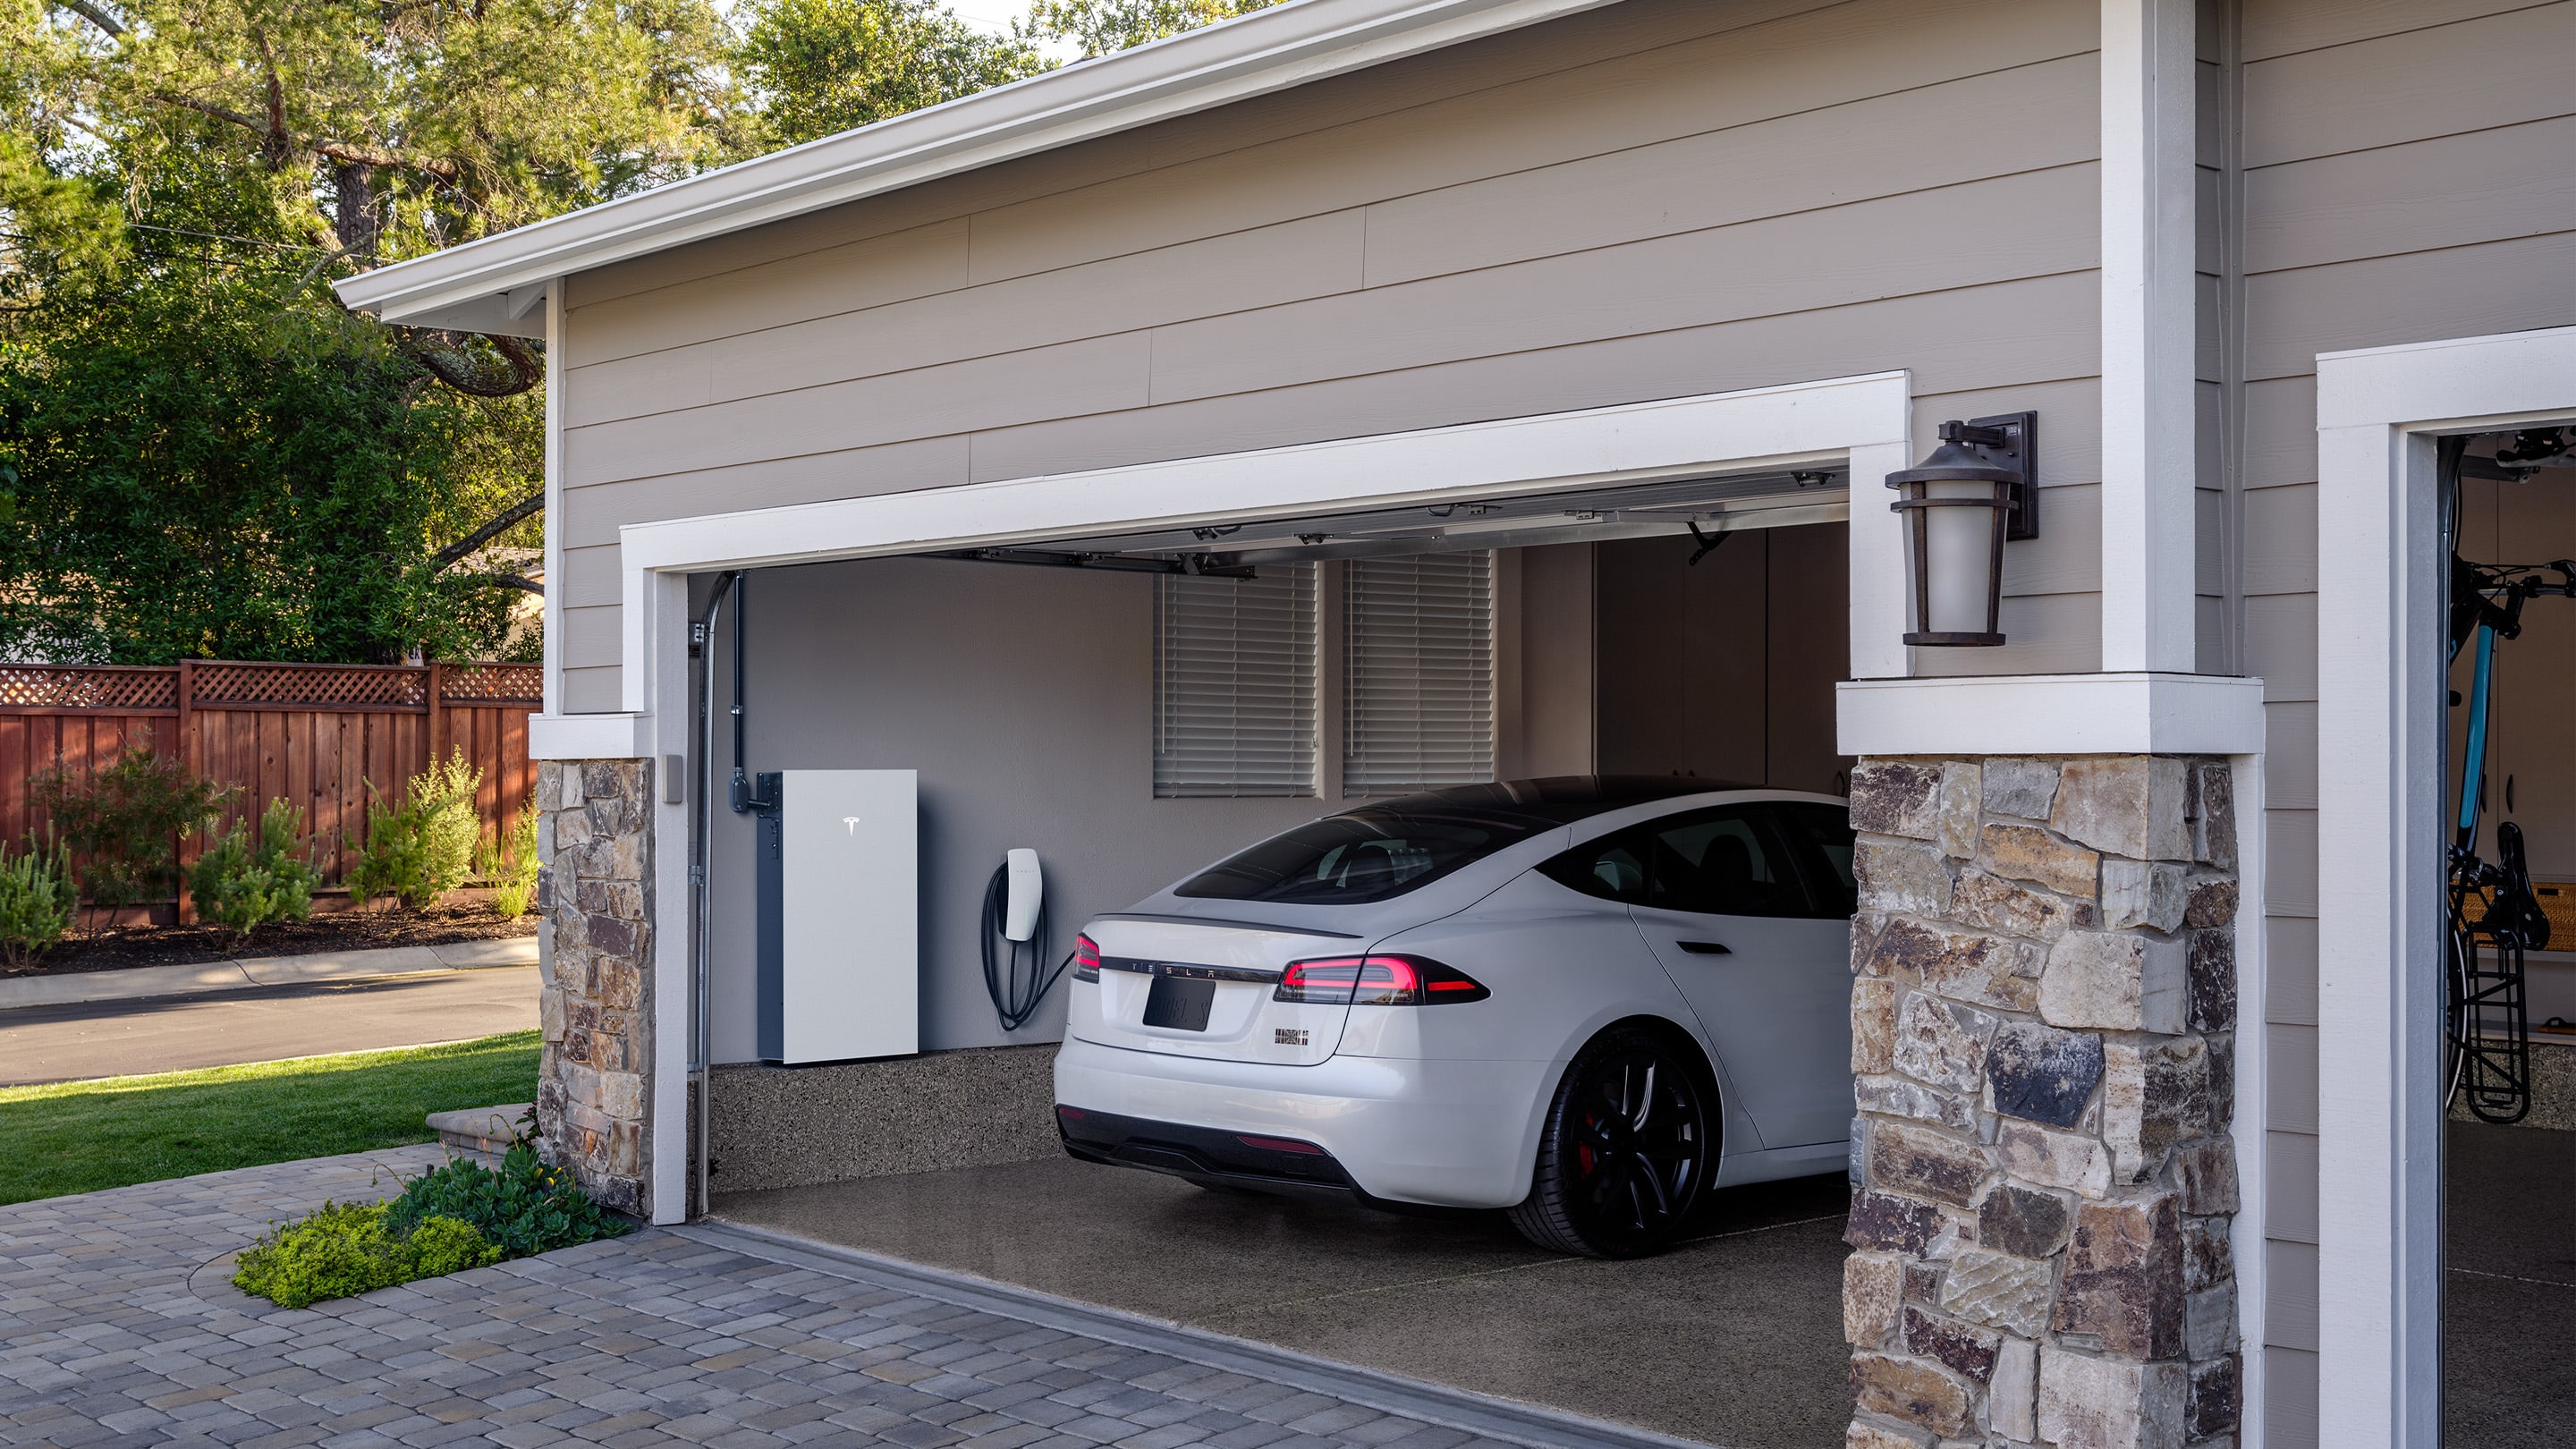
(1625, 1151)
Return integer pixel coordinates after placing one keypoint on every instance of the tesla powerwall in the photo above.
(840, 915)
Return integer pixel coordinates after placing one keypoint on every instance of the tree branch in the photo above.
(440, 353)
(242, 119)
(351, 154)
(492, 528)
(94, 15)
(511, 581)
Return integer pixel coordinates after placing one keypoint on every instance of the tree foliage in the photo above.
(820, 67)
(1101, 26)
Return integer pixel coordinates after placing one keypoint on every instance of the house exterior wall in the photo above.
(2403, 175)
(1658, 198)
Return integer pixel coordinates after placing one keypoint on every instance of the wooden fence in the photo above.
(317, 734)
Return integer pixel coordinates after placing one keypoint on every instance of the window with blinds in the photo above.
(1418, 673)
(1234, 684)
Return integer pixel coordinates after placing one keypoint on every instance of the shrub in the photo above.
(341, 1249)
(524, 1207)
(125, 820)
(242, 885)
(424, 848)
(37, 901)
(512, 866)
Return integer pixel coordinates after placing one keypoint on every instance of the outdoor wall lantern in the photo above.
(1977, 489)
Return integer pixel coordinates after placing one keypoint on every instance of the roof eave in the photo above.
(1269, 50)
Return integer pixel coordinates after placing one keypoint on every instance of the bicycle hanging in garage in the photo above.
(2494, 917)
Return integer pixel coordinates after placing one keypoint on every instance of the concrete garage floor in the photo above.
(2509, 1306)
(1734, 1338)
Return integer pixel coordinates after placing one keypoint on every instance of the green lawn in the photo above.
(83, 1136)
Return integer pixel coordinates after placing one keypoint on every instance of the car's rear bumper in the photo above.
(1454, 1134)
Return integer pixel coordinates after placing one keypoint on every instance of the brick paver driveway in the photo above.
(117, 1327)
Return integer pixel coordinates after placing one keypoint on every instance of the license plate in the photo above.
(1179, 1005)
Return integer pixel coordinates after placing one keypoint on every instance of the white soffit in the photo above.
(1288, 45)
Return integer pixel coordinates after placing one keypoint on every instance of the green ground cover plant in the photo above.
(463, 1215)
(341, 1249)
(71, 1137)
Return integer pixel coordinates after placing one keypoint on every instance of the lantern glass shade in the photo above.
(1958, 590)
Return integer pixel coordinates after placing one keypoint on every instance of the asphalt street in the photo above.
(263, 1024)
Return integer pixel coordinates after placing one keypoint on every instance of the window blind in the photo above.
(1418, 673)
(1234, 684)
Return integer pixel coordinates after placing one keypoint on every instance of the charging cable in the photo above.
(1015, 972)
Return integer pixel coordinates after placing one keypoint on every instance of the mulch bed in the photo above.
(116, 947)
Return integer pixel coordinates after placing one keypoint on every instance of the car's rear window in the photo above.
(1370, 854)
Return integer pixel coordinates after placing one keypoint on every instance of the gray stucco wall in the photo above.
(1653, 199)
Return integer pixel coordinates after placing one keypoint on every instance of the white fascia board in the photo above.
(589, 737)
(2052, 714)
(1854, 419)
(1269, 50)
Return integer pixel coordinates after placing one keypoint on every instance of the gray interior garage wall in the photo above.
(2405, 179)
(1725, 669)
(1653, 199)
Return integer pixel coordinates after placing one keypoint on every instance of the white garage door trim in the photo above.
(2379, 745)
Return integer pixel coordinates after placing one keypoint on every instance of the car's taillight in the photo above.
(1086, 959)
(1376, 981)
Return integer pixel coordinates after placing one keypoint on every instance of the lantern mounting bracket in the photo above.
(2007, 440)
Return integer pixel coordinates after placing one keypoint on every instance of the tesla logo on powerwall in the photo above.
(852, 822)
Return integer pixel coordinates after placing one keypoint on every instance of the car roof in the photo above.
(1553, 800)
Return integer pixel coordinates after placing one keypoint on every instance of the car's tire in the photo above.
(1628, 1145)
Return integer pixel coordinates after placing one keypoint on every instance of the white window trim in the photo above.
(1861, 422)
(2380, 742)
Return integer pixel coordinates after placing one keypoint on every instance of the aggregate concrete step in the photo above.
(479, 1129)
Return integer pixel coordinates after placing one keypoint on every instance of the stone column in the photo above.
(595, 836)
(2043, 1010)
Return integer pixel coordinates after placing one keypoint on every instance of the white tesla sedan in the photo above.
(1586, 1000)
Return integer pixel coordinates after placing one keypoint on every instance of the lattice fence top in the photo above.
(104, 686)
(493, 683)
(348, 685)
(216, 684)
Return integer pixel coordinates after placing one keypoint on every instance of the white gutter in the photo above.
(491, 284)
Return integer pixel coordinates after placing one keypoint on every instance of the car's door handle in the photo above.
(1704, 948)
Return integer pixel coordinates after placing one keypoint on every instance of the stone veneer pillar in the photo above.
(2043, 1010)
(595, 838)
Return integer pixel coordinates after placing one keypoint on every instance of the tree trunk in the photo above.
(357, 222)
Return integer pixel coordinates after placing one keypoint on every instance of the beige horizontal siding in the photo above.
(2514, 181)
(2466, 291)
(1828, 56)
(2055, 337)
(2290, 951)
(2281, 27)
(2495, 70)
